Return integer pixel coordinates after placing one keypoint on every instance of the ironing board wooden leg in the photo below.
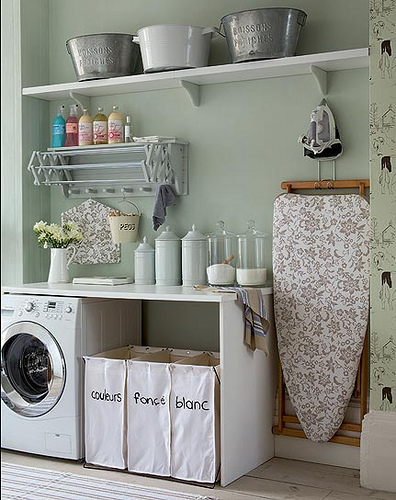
(364, 379)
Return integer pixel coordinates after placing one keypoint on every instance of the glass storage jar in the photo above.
(251, 270)
(221, 245)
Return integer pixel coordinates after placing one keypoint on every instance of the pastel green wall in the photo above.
(383, 207)
(243, 137)
(243, 144)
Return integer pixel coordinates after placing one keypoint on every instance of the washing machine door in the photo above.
(33, 372)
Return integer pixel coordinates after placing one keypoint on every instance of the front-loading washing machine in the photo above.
(43, 342)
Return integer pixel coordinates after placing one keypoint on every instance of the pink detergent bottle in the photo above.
(72, 127)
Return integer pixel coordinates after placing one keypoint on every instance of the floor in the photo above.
(277, 479)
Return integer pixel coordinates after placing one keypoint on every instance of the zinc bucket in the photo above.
(266, 33)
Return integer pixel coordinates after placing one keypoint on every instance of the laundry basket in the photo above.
(148, 413)
(195, 419)
(105, 424)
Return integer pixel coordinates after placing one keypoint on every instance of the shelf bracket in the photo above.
(193, 91)
(83, 101)
(321, 78)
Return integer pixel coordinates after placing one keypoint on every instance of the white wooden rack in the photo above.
(317, 65)
(112, 170)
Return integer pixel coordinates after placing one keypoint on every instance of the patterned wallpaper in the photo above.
(383, 204)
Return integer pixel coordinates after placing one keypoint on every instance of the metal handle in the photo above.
(221, 26)
(214, 31)
(127, 201)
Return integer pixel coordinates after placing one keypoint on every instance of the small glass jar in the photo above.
(251, 270)
(221, 245)
(144, 264)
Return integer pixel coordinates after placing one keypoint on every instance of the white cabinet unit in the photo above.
(248, 379)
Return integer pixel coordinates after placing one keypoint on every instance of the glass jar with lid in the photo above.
(221, 245)
(251, 270)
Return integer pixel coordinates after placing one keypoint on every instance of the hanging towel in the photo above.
(163, 198)
(256, 323)
(321, 269)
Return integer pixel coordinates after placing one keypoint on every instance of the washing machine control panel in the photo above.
(57, 309)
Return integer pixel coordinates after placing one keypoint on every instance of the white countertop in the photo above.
(130, 291)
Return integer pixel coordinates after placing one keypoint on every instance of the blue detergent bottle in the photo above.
(59, 129)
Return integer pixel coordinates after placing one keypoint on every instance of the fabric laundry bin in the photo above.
(105, 406)
(195, 419)
(148, 413)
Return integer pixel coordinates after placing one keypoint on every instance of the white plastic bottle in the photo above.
(85, 129)
(116, 126)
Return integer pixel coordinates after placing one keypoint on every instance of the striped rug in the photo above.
(19, 482)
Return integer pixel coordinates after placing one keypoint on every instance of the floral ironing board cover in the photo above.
(321, 267)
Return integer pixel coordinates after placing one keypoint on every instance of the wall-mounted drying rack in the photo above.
(114, 170)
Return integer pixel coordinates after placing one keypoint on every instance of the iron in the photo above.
(322, 141)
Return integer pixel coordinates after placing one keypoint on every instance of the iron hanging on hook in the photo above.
(322, 140)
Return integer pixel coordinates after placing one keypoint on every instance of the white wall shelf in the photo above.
(191, 79)
(116, 170)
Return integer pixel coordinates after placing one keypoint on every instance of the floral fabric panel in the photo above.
(321, 268)
(97, 247)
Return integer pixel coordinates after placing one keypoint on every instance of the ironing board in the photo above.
(321, 302)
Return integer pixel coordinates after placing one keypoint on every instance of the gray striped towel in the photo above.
(256, 323)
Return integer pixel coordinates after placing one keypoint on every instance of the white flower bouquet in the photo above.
(55, 236)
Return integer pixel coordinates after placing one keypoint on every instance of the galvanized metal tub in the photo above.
(265, 33)
(103, 55)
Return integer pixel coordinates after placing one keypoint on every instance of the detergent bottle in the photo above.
(100, 135)
(85, 129)
(116, 126)
(59, 129)
(72, 127)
